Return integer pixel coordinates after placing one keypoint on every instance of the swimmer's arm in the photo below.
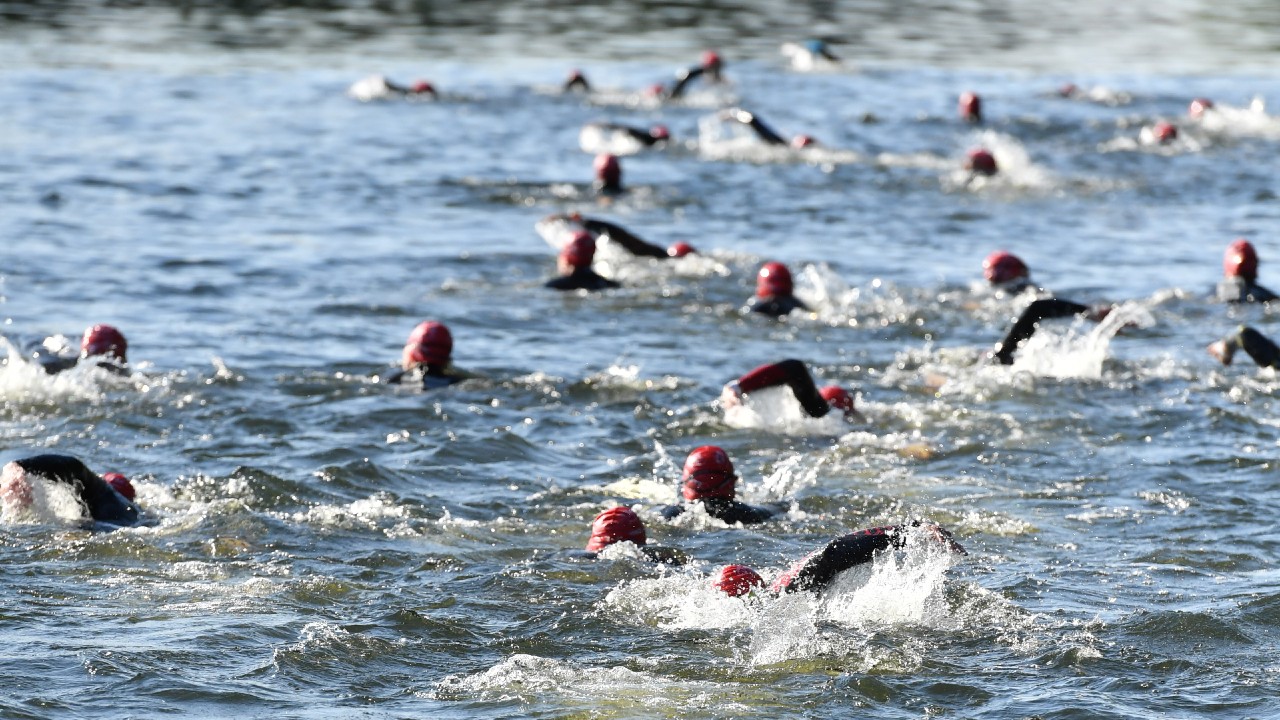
(622, 236)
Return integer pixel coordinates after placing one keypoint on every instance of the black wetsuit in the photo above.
(53, 363)
(725, 510)
(684, 77)
(104, 503)
(1238, 290)
(763, 131)
(644, 137)
(818, 570)
(431, 377)
(792, 373)
(623, 237)
(1263, 351)
(777, 305)
(583, 278)
(1025, 327)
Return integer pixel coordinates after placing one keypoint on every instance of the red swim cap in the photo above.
(711, 60)
(802, 141)
(1241, 260)
(1068, 89)
(1001, 267)
(774, 279)
(104, 340)
(736, 580)
(981, 161)
(838, 398)
(121, 485)
(970, 107)
(430, 343)
(614, 525)
(680, 249)
(708, 473)
(659, 132)
(1164, 132)
(580, 250)
(1199, 106)
(422, 86)
(608, 171)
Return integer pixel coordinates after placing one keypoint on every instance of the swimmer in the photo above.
(426, 358)
(792, 373)
(576, 82)
(104, 343)
(763, 131)
(623, 237)
(574, 264)
(1240, 275)
(1006, 273)
(1259, 347)
(656, 135)
(1043, 309)
(809, 55)
(970, 107)
(621, 524)
(378, 87)
(775, 292)
(107, 499)
(980, 161)
(1162, 133)
(817, 571)
(711, 68)
(1199, 107)
(709, 479)
(608, 173)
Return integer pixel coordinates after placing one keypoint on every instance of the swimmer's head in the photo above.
(680, 249)
(659, 132)
(839, 399)
(1002, 267)
(708, 473)
(104, 340)
(773, 280)
(579, 252)
(608, 172)
(803, 141)
(430, 343)
(1163, 132)
(817, 47)
(736, 580)
(1199, 107)
(970, 107)
(711, 61)
(1241, 260)
(656, 90)
(422, 87)
(980, 161)
(1068, 90)
(618, 524)
(121, 484)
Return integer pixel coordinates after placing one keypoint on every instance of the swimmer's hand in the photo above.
(1223, 350)
(731, 395)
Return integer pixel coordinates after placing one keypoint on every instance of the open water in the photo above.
(326, 546)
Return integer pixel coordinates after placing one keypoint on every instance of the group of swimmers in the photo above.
(709, 479)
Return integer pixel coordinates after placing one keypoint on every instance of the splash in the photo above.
(722, 140)
(777, 410)
(1079, 353)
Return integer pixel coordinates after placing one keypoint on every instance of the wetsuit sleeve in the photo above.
(104, 503)
(765, 132)
(670, 512)
(819, 569)
(623, 237)
(792, 373)
(1257, 293)
(732, 511)
(582, 279)
(1263, 351)
(683, 78)
(1025, 326)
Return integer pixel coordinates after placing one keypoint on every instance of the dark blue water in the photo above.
(328, 546)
